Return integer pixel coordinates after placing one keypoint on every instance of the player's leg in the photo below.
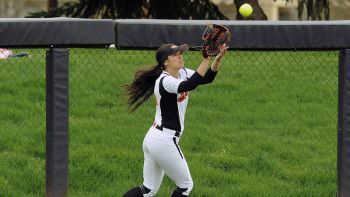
(152, 175)
(175, 166)
(182, 179)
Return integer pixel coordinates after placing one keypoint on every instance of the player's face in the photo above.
(175, 61)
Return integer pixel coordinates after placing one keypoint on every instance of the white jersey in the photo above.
(162, 153)
(170, 105)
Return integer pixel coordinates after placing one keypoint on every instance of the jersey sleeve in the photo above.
(175, 86)
(191, 83)
(171, 84)
(209, 76)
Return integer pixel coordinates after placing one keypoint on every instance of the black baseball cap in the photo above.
(168, 49)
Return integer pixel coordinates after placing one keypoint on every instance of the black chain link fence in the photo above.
(22, 120)
(267, 126)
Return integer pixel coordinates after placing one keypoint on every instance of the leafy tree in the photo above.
(315, 9)
(157, 9)
(172, 9)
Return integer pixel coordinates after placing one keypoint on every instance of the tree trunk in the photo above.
(258, 13)
(52, 4)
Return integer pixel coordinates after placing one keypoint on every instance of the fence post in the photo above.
(344, 124)
(57, 113)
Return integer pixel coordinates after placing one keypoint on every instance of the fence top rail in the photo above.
(151, 33)
(55, 19)
(43, 32)
(230, 22)
(246, 35)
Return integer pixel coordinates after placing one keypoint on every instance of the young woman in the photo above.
(170, 82)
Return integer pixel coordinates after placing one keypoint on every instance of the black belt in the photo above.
(177, 133)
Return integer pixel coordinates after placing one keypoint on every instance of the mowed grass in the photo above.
(267, 126)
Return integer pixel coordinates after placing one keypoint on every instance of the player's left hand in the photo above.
(222, 52)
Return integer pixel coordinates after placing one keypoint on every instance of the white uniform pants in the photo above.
(163, 155)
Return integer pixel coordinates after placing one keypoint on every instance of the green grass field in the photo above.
(267, 126)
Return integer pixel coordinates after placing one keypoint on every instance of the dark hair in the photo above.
(142, 87)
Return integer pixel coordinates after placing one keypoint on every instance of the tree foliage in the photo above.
(315, 9)
(119, 9)
(173, 9)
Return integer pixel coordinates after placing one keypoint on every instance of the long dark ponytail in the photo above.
(142, 87)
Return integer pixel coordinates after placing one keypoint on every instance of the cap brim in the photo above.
(181, 48)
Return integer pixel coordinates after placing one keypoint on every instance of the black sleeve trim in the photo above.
(209, 76)
(191, 83)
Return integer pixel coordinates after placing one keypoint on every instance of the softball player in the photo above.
(170, 82)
